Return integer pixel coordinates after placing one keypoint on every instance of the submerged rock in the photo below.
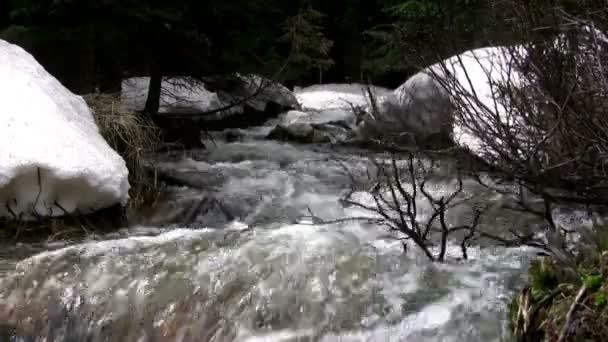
(299, 132)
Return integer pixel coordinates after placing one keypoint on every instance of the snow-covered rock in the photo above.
(188, 95)
(257, 92)
(423, 107)
(53, 161)
(474, 79)
(178, 95)
(336, 96)
(417, 110)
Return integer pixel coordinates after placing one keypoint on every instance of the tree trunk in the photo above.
(153, 100)
(109, 66)
(80, 66)
(110, 74)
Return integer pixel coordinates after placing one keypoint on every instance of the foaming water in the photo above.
(265, 275)
(296, 280)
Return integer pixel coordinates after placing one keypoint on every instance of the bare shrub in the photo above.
(546, 119)
(538, 113)
(404, 198)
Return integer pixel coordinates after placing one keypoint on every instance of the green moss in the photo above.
(543, 278)
(601, 300)
(602, 239)
(592, 282)
(539, 312)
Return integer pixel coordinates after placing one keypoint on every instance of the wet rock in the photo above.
(187, 208)
(189, 106)
(339, 117)
(182, 132)
(299, 132)
(336, 131)
(259, 93)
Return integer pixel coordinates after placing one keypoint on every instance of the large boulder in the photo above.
(53, 161)
(256, 92)
(421, 111)
(475, 81)
(425, 106)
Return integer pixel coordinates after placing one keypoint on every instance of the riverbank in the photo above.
(566, 298)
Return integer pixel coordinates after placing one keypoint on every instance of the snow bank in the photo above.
(53, 160)
(268, 91)
(178, 95)
(423, 102)
(479, 74)
(187, 95)
(336, 96)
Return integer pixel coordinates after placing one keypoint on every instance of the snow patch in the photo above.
(178, 95)
(475, 74)
(336, 96)
(345, 116)
(53, 161)
(480, 73)
(187, 95)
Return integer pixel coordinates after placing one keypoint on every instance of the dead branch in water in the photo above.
(399, 189)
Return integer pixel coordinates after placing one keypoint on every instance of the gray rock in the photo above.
(299, 132)
(340, 117)
(256, 92)
(418, 113)
(217, 103)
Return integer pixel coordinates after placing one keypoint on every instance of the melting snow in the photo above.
(336, 96)
(53, 160)
(179, 94)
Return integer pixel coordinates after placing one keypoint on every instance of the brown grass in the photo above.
(133, 136)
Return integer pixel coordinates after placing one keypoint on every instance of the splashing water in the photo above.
(266, 276)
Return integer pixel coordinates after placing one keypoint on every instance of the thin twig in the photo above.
(567, 327)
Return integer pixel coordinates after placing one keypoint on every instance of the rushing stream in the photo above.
(254, 268)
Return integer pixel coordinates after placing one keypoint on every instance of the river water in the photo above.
(254, 267)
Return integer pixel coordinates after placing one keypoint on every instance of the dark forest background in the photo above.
(90, 45)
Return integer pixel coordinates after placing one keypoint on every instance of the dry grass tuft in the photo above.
(131, 135)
